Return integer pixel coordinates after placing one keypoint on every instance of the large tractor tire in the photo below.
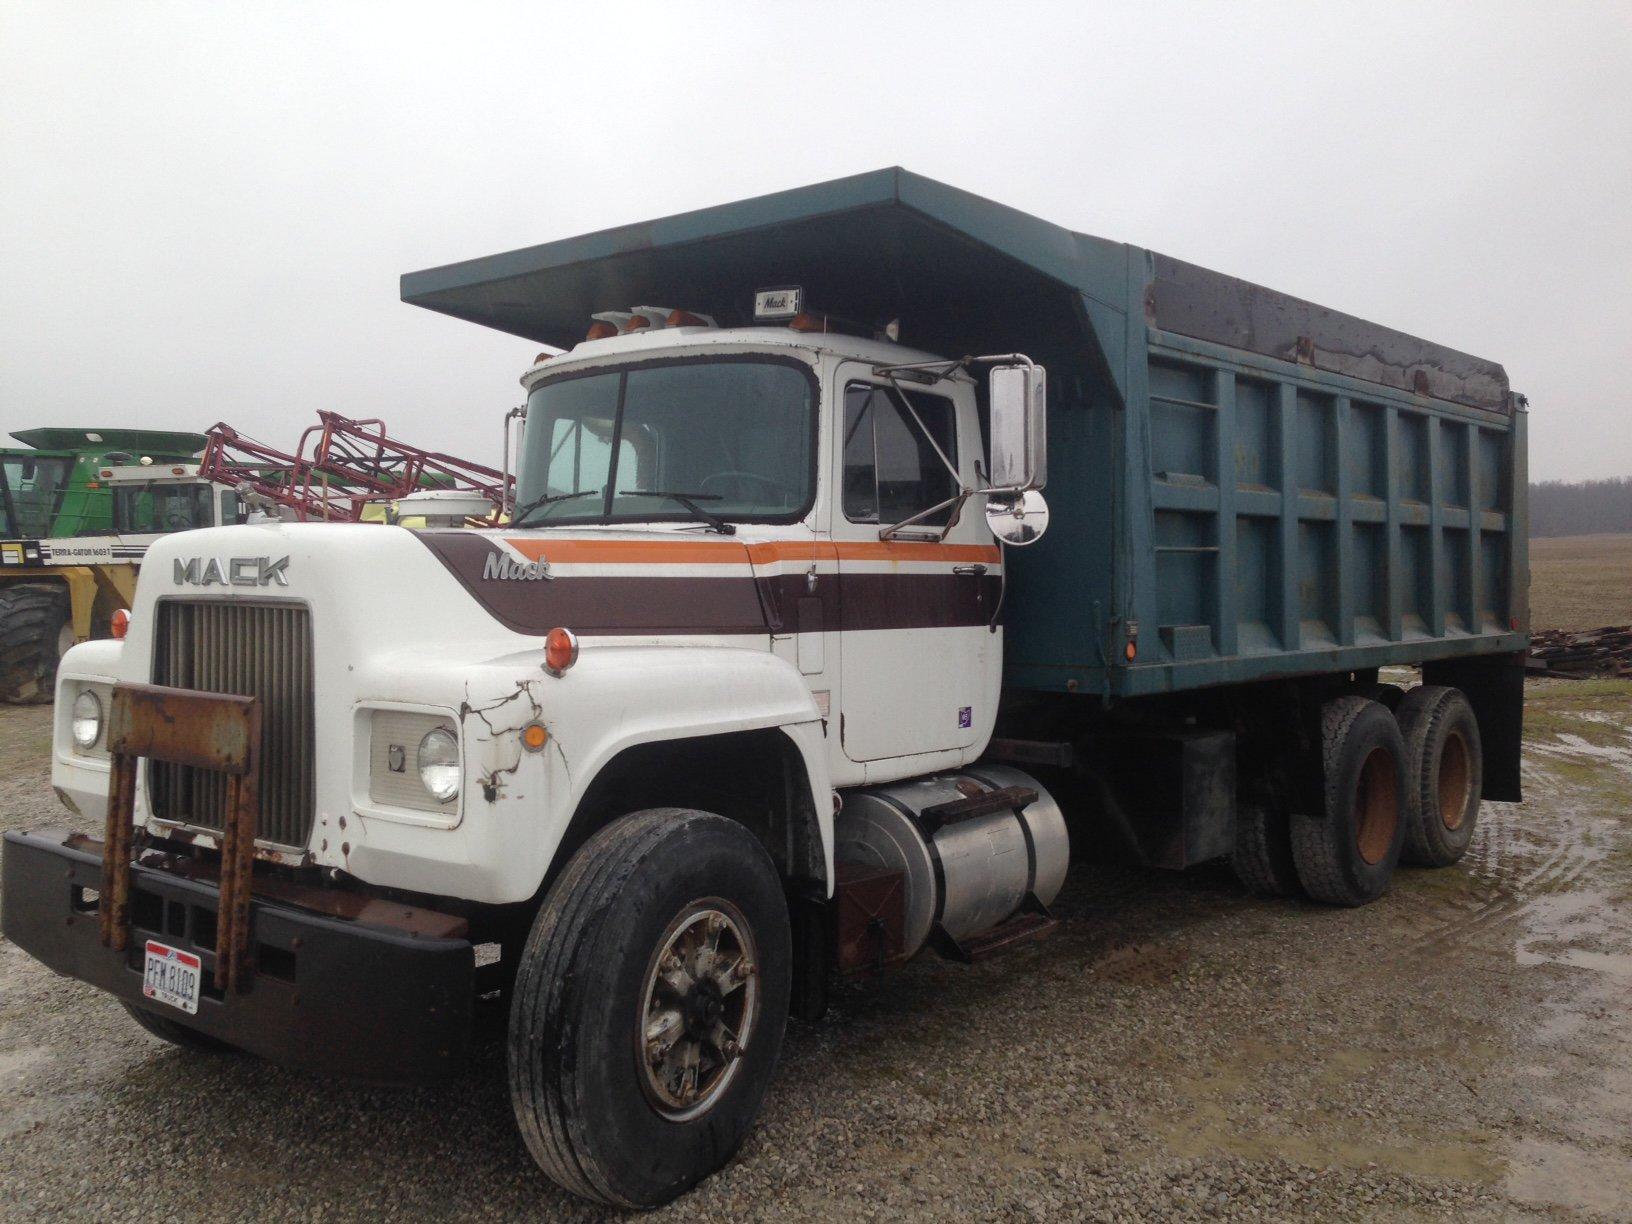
(1346, 853)
(35, 632)
(649, 1006)
(1444, 772)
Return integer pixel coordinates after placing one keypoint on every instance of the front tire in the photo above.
(1346, 853)
(34, 635)
(649, 1007)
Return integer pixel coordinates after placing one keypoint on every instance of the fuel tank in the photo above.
(963, 875)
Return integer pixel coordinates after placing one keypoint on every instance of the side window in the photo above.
(891, 470)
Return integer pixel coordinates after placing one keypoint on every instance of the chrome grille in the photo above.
(255, 650)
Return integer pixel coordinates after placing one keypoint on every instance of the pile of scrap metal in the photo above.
(1575, 656)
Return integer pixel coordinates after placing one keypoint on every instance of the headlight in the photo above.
(86, 726)
(439, 764)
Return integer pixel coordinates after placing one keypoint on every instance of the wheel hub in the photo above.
(698, 1009)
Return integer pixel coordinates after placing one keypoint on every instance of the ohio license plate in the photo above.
(172, 976)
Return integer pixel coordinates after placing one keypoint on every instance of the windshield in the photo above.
(732, 436)
(30, 492)
(149, 508)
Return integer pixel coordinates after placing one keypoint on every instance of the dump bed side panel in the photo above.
(1301, 521)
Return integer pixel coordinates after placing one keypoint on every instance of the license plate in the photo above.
(172, 976)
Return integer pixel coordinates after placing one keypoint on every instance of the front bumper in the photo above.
(343, 985)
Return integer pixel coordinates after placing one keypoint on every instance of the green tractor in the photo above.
(78, 508)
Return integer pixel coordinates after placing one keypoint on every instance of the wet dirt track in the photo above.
(1463, 1047)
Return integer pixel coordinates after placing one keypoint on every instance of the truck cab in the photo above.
(795, 444)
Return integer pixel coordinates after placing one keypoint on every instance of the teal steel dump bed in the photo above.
(1243, 485)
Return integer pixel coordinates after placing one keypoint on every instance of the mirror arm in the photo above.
(957, 499)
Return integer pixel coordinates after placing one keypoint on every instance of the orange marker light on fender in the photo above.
(560, 650)
(120, 623)
(534, 737)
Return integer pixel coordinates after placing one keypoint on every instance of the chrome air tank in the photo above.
(965, 875)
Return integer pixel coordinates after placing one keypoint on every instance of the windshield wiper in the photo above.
(548, 499)
(689, 501)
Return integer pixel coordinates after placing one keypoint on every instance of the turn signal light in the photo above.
(560, 650)
(120, 624)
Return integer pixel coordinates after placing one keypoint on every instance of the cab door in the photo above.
(919, 667)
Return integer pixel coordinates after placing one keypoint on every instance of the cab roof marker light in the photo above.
(618, 320)
(806, 322)
(647, 316)
(686, 318)
(601, 330)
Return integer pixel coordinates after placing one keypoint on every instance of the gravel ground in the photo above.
(1463, 1047)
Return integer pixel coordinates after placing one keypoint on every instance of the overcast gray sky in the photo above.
(204, 208)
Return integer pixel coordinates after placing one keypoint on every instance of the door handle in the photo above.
(969, 571)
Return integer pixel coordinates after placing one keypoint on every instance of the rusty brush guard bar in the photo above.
(213, 731)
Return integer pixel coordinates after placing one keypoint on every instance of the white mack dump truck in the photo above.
(753, 689)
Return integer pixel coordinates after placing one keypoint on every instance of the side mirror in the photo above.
(1018, 397)
(1017, 518)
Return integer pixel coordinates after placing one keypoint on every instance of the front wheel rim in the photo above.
(699, 1006)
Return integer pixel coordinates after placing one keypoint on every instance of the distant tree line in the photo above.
(1560, 508)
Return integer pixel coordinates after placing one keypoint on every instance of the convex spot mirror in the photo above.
(1017, 518)
(1018, 397)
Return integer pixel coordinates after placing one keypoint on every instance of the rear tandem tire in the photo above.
(1262, 857)
(177, 1034)
(1346, 854)
(34, 634)
(1444, 771)
(649, 1007)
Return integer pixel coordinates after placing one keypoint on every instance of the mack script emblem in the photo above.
(499, 566)
(237, 571)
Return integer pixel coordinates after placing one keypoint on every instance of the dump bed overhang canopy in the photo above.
(960, 272)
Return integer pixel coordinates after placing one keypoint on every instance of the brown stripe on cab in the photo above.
(731, 603)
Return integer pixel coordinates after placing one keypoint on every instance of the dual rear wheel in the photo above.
(1396, 784)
